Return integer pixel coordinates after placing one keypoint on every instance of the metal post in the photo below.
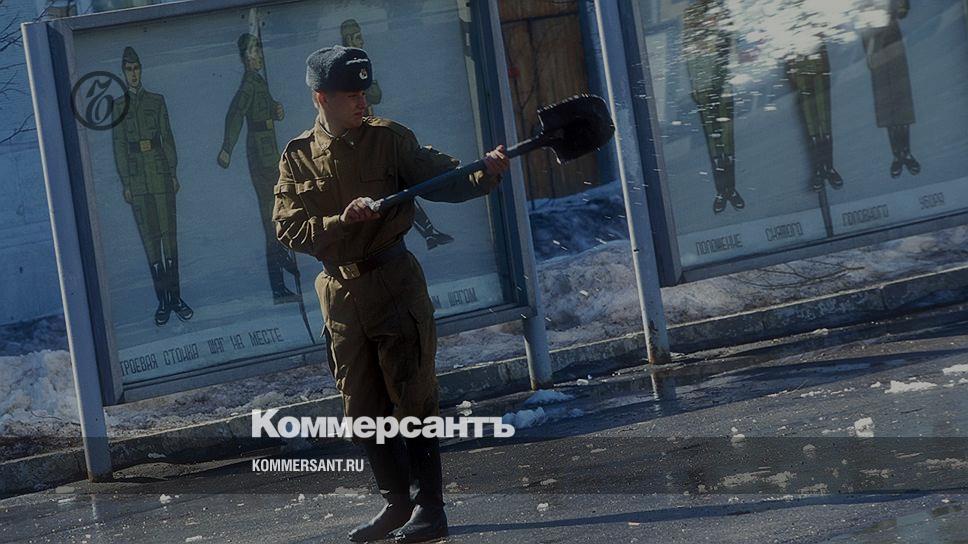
(535, 335)
(633, 184)
(67, 249)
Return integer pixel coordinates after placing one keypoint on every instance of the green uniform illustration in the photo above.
(144, 154)
(810, 76)
(891, 81)
(353, 37)
(706, 47)
(254, 105)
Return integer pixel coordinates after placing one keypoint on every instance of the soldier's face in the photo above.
(354, 39)
(132, 74)
(253, 57)
(343, 108)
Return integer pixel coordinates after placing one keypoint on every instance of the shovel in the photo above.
(571, 128)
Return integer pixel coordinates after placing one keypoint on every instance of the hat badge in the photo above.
(363, 73)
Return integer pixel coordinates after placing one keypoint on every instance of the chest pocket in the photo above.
(318, 196)
(379, 180)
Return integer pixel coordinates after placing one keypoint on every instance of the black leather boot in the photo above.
(175, 302)
(392, 473)
(163, 312)
(428, 522)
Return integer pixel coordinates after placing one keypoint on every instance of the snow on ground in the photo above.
(547, 396)
(588, 293)
(901, 387)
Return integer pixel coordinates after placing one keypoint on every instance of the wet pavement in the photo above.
(851, 435)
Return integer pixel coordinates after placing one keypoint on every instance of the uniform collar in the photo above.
(324, 140)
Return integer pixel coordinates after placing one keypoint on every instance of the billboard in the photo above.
(782, 129)
(175, 116)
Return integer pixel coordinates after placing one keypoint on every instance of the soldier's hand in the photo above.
(127, 196)
(497, 161)
(223, 159)
(358, 210)
(280, 111)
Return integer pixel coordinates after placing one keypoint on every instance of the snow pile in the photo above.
(547, 396)
(901, 387)
(864, 427)
(525, 418)
(957, 369)
(37, 395)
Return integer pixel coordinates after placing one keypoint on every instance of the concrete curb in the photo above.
(232, 436)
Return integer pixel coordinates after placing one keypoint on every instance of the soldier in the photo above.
(379, 320)
(353, 37)
(707, 46)
(253, 103)
(893, 101)
(144, 154)
(810, 76)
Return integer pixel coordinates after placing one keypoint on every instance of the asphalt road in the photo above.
(853, 435)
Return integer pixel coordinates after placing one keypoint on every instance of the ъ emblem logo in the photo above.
(363, 73)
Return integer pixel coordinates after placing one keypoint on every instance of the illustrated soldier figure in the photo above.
(707, 45)
(810, 76)
(379, 319)
(253, 103)
(353, 37)
(893, 100)
(144, 154)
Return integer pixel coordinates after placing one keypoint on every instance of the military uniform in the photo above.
(707, 46)
(382, 326)
(373, 293)
(254, 104)
(810, 76)
(145, 157)
(891, 82)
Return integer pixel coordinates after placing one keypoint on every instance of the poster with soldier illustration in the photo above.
(795, 122)
(183, 164)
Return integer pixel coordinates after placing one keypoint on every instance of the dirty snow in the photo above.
(901, 387)
(957, 369)
(547, 396)
(864, 428)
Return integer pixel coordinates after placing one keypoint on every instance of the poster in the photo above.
(183, 123)
(789, 123)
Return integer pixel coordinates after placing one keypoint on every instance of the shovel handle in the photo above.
(437, 182)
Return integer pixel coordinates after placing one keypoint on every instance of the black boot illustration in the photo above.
(729, 183)
(900, 137)
(163, 312)
(175, 302)
(431, 235)
(817, 163)
(832, 175)
(277, 262)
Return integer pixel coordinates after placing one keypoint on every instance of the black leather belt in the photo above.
(352, 271)
(268, 124)
(143, 146)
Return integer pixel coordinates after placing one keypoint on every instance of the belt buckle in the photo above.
(145, 145)
(349, 271)
(268, 124)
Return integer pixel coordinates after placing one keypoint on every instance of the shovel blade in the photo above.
(576, 126)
